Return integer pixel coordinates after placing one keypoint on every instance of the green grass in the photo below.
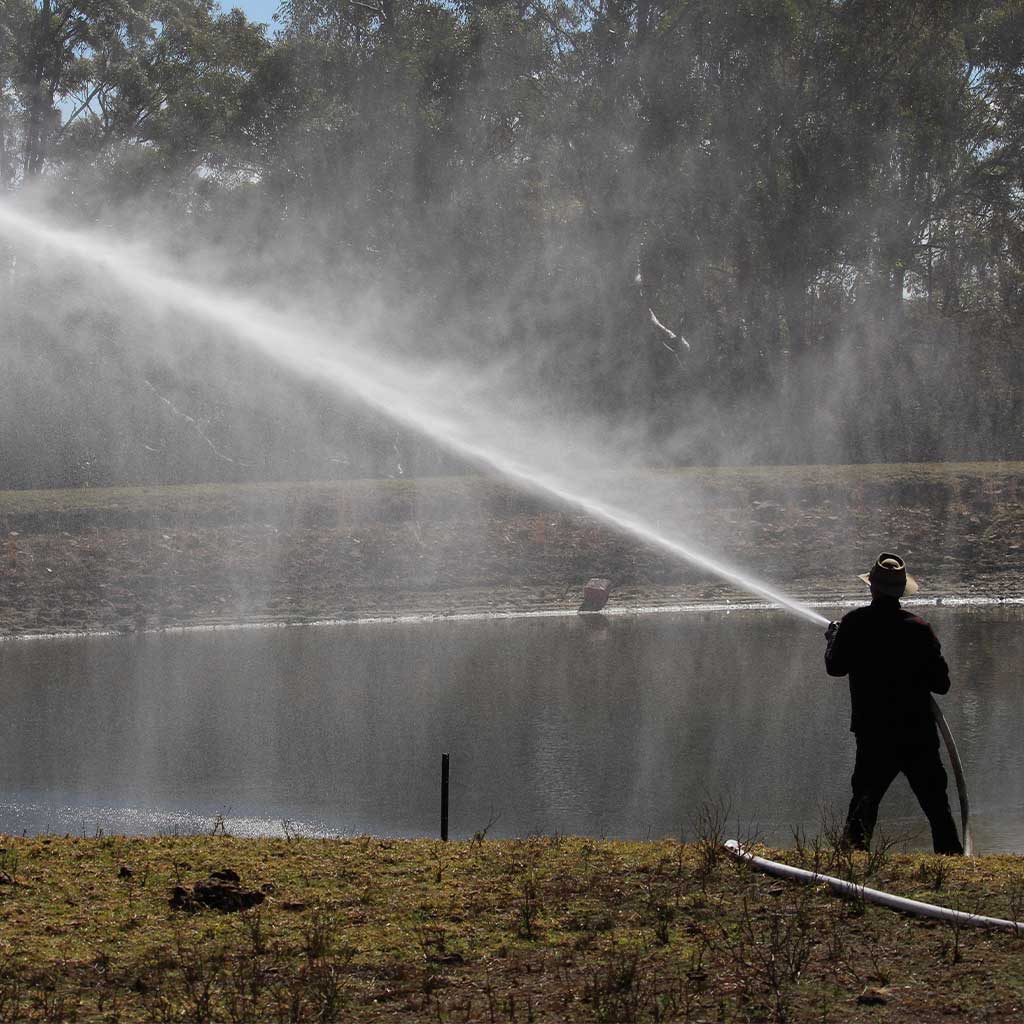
(541, 929)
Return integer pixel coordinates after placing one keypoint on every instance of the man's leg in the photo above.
(927, 778)
(873, 772)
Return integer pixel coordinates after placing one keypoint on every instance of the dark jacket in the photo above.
(894, 662)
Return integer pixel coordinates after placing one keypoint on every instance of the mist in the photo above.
(568, 248)
(668, 239)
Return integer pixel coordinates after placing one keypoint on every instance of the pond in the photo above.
(618, 726)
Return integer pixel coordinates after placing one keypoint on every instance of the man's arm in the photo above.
(836, 650)
(934, 672)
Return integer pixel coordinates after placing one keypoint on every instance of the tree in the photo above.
(91, 83)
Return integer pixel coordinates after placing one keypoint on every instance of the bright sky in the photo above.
(255, 10)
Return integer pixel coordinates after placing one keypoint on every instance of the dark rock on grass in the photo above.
(222, 891)
(872, 996)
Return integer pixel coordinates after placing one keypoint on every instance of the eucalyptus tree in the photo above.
(972, 257)
(127, 89)
(405, 134)
(51, 45)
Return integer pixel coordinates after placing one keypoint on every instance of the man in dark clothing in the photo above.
(894, 662)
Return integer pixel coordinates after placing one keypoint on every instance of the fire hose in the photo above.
(842, 887)
(958, 774)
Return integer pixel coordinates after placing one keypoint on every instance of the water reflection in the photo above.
(618, 726)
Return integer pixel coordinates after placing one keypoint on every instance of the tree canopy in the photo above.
(662, 199)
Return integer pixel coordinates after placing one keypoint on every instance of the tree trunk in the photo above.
(899, 278)
(38, 107)
(5, 158)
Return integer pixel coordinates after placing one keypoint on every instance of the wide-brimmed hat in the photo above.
(889, 576)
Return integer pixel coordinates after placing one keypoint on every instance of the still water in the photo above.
(618, 726)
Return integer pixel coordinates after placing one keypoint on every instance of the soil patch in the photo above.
(147, 558)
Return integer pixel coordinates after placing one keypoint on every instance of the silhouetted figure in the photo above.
(895, 663)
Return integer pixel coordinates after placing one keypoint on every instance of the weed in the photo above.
(12, 992)
(850, 864)
(433, 942)
(199, 972)
(252, 923)
(810, 853)
(880, 854)
(243, 990)
(709, 829)
(614, 990)
(1015, 900)
(664, 915)
(50, 1004)
(625, 989)
(934, 871)
(951, 947)
(481, 834)
(10, 862)
(325, 983)
(319, 935)
(527, 909)
(219, 827)
(767, 952)
(879, 972)
(834, 938)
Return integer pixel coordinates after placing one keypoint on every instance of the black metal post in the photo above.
(444, 798)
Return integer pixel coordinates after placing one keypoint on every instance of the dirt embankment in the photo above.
(143, 558)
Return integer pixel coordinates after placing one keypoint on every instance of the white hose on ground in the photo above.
(884, 899)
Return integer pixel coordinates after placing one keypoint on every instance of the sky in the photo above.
(255, 10)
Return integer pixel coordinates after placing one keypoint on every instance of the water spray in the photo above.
(404, 396)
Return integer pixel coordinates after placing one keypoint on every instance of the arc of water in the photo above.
(400, 395)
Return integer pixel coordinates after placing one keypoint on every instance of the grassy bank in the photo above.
(540, 929)
(143, 558)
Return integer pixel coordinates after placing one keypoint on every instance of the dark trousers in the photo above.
(878, 762)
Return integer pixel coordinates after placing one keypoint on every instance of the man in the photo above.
(894, 662)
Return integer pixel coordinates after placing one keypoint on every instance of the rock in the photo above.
(595, 594)
(222, 891)
(872, 996)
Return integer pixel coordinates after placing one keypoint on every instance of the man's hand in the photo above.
(830, 633)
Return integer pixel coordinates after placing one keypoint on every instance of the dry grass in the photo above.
(540, 929)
